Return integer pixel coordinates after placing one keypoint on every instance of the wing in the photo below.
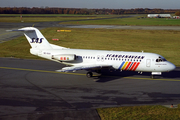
(81, 67)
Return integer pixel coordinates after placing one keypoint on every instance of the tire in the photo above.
(89, 74)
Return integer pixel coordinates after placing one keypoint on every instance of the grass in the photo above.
(15, 18)
(165, 43)
(156, 112)
(91, 19)
(40, 19)
(47, 15)
(132, 21)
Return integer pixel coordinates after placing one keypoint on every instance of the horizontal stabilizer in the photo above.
(26, 29)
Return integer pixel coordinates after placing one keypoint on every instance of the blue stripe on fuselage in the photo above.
(121, 65)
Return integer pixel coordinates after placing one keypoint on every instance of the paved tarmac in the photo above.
(32, 89)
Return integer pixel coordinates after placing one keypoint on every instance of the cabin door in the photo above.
(148, 63)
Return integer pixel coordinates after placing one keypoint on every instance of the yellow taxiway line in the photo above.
(32, 70)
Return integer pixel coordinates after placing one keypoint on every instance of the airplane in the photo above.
(95, 60)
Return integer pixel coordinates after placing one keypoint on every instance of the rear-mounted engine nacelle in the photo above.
(64, 57)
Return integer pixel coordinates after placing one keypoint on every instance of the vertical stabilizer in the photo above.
(35, 38)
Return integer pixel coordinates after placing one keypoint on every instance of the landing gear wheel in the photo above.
(89, 74)
(152, 77)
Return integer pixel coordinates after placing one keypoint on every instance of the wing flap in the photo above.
(83, 67)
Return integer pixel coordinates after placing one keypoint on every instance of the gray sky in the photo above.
(112, 4)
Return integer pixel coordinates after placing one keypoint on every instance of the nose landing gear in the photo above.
(155, 73)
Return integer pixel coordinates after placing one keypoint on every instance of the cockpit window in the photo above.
(160, 59)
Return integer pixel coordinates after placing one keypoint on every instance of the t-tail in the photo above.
(35, 38)
(38, 42)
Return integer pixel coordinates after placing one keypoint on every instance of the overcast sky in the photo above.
(111, 4)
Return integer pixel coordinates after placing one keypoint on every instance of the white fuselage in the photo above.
(130, 61)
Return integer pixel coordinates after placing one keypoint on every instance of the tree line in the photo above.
(85, 11)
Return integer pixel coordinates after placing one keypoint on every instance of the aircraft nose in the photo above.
(171, 67)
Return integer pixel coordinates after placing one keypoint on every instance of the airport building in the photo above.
(176, 17)
(159, 16)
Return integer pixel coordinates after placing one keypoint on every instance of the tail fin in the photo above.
(35, 38)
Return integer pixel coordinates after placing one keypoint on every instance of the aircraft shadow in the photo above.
(107, 75)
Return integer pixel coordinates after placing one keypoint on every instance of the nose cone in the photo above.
(171, 67)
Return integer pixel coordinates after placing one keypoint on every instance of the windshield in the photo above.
(160, 59)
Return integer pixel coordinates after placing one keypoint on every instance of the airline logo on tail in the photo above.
(36, 40)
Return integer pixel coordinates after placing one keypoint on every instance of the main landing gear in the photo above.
(89, 74)
(153, 74)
